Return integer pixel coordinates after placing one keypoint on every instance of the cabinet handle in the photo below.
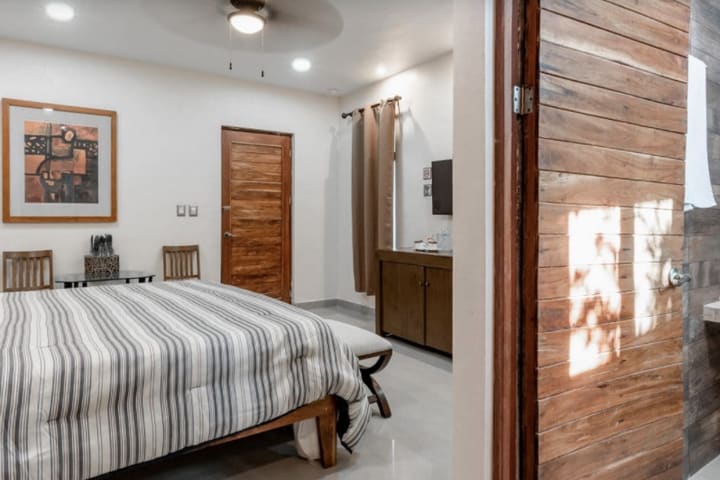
(421, 283)
(427, 284)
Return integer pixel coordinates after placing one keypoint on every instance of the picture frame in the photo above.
(59, 163)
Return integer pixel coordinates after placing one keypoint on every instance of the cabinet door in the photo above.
(438, 309)
(402, 301)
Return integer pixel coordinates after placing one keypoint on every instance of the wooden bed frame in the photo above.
(324, 410)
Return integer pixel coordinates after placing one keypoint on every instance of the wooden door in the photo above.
(403, 301)
(256, 189)
(608, 207)
(438, 308)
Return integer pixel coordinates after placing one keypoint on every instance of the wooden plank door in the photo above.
(610, 150)
(256, 218)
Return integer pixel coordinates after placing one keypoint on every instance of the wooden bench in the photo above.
(367, 345)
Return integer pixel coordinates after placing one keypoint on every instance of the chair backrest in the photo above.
(26, 271)
(181, 262)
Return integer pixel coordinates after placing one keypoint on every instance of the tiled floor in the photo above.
(711, 471)
(414, 444)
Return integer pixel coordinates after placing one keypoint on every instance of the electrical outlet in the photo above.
(427, 190)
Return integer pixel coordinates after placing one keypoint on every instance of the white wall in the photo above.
(425, 134)
(169, 124)
(473, 207)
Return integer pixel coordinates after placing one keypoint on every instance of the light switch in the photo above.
(193, 210)
(180, 210)
(427, 173)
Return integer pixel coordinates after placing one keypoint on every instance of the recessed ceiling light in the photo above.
(301, 64)
(381, 71)
(60, 12)
(246, 22)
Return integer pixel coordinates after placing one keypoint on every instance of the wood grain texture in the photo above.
(584, 129)
(256, 220)
(601, 309)
(670, 12)
(438, 309)
(566, 407)
(609, 332)
(598, 427)
(27, 271)
(603, 249)
(558, 346)
(563, 219)
(606, 162)
(628, 23)
(403, 301)
(573, 281)
(600, 102)
(593, 70)
(559, 187)
(587, 38)
(601, 459)
(414, 299)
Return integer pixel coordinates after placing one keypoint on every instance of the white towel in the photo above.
(698, 189)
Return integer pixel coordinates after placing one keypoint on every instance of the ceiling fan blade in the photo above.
(292, 25)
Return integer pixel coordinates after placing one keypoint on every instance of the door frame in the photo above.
(287, 205)
(515, 246)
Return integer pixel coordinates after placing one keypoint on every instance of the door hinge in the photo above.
(523, 98)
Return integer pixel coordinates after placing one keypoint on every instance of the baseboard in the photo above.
(336, 302)
(317, 304)
(356, 307)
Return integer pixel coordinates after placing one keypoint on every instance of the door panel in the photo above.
(438, 308)
(256, 214)
(402, 301)
(608, 330)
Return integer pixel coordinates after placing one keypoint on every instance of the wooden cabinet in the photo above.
(414, 297)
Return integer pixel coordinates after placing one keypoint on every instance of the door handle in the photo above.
(228, 235)
(676, 278)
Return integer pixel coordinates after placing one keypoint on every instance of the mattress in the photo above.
(93, 380)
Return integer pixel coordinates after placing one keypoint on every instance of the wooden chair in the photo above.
(26, 271)
(181, 262)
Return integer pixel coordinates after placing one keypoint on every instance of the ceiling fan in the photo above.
(286, 25)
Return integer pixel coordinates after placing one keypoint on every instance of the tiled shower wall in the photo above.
(701, 349)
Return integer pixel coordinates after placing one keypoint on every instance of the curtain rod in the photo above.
(396, 98)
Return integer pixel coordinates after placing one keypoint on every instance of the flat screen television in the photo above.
(442, 189)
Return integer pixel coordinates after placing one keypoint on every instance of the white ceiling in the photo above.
(345, 39)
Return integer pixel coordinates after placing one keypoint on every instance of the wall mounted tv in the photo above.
(442, 189)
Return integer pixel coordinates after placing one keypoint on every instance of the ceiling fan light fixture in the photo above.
(60, 12)
(247, 22)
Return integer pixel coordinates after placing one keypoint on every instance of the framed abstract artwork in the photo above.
(59, 163)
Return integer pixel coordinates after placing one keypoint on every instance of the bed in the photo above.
(94, 380)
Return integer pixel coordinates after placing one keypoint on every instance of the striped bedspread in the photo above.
(96, 379)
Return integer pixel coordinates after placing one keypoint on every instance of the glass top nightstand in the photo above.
(74, 280)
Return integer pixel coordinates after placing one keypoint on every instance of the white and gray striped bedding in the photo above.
(96, 379)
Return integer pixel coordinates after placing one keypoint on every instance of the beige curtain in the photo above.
(373, 155)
